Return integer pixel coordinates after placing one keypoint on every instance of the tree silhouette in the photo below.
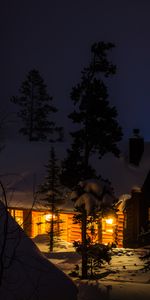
(52, 191)
(35, 108)
(98, 131)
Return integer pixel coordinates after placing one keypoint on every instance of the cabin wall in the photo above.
(68, 230)
(119, 229)
(132, 221)
(35, 223)
(111, 229)
(17, 214)
(39, 225)
(108, 230)
(27, 220)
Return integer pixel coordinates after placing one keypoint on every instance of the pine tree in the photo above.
(52, 191)
(72, 170)
(98, 131)
(35, 108)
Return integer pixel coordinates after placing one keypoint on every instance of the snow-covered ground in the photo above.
(126, 282)
(25, 273)
(29, 273)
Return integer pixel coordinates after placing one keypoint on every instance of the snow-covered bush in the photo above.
(93, 194)
(97, 255)
(91, 199)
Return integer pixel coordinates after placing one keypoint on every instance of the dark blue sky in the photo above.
(55, 37)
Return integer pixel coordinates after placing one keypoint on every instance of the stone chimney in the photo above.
(136, 148)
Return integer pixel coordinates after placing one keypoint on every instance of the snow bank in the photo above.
(24, 272)
(113, 291)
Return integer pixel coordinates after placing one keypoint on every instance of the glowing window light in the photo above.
(109, 221)
(48, 217)
(18, 219)
(109, 230)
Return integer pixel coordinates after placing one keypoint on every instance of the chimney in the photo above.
(136, 148)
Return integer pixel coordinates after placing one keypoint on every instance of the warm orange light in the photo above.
(109, 230)
(48, 217)
(109, 221)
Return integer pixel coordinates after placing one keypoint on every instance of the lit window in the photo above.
(109, 221)
(109, 230)
(48, 217)
(19, 217)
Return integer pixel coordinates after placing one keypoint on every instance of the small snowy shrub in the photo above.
(146, 259)
(97, 255)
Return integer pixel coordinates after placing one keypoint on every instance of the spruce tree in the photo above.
(98, 131)
(52, 191)
(72, 170)
(35, 108)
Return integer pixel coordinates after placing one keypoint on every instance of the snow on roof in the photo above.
(26, 200)
(23, 200)
(26, 273)
(121, 204)
(123, 175)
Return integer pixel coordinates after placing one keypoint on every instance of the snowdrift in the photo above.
(24, 273)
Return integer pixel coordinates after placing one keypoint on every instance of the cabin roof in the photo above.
(123, 176)
(25, 200)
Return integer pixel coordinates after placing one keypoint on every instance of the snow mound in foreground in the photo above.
(113, 291)
(24, 272)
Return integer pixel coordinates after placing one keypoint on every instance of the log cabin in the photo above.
(130, 226)
(36, 221)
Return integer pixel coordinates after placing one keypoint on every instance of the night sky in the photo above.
(55, 38)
